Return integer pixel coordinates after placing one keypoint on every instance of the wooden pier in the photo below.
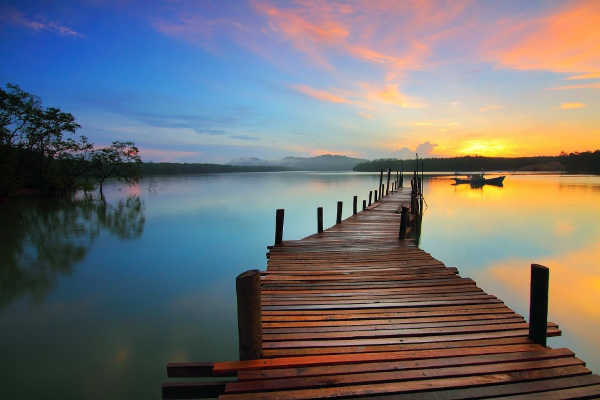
(359, 311)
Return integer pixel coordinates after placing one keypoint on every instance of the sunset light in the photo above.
(211, 82)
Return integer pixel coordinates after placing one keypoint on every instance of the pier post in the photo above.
(279, 226)
(364, 205)
(354, 205)
(370, 195)
(538, 304)
(387, 190)
(320, 219)
(338, 218)
(375, 192)
(247, 286)
(380, 183)
(403, 223)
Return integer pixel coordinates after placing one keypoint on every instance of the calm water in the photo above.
(96, 298)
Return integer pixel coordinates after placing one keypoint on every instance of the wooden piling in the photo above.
(538, 304)
(403, 223)
(247, 287)
(375, 193)
(364, 205)
(338, 218)
(387, 190)
(354, 205)
(279, 226)
(320, 219)
(370, 195)
(380, 183)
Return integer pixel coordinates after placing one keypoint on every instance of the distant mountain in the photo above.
(326, 162)
(251, 162)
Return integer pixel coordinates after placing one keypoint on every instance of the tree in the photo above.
(120, 160)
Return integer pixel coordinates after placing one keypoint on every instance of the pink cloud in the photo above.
(564, 41)
(322, 95)
(17, 18)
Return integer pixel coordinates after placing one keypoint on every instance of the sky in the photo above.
(212, 81)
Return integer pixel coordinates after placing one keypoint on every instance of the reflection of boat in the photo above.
(478, 180)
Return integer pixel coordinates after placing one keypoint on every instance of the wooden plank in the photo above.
(501, 354)
(397, 375)
(409, 386)
(227, 367)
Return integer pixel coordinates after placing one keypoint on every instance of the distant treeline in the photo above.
(574, 162)
(148, 169)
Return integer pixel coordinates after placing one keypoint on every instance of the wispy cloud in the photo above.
(571, 106)
(245, 137)
(591, 75)
(593, 85)
(38, 24)
(490, 107)
(322, 95)
(365, 115)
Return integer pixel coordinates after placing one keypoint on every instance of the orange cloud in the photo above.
(571, 106)
(389, 94)
(322, 95)
(594, 85)
(365, 115)
(591, 75)
(566, 41)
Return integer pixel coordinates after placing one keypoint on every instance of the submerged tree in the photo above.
(120, 160)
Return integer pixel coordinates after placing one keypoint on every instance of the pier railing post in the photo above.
(403, 223)
(354, 205)
(380, 183)
(279, 226)
(247, 287)
(338, 218)
(320, 219)
(375, 193)
(364, 205)
(538, 304)
(370, 195)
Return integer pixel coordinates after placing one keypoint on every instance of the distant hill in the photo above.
(326, 162)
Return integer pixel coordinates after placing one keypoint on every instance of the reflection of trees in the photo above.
(43, 239)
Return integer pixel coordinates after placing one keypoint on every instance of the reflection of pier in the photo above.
(358, 310)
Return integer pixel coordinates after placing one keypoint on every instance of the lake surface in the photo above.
(96, 298)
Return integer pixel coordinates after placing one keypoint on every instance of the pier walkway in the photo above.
(354, 312)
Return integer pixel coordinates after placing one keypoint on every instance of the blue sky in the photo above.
(213, 81)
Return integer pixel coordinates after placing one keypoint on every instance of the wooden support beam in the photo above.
(279, 226)
(375, 192)
(320, 219)
(380, 183)
(354, 205)
(364, 205)
(338, 217)
(192, 390)
(538, 304)
(189, 369)
(247, 287)
(370, 195)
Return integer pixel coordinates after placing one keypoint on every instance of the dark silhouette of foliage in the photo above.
(574, 162)
(40, 151)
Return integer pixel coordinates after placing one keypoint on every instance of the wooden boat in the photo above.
(479, 180)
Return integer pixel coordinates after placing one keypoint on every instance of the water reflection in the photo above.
(493, 235)
(42, 239)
